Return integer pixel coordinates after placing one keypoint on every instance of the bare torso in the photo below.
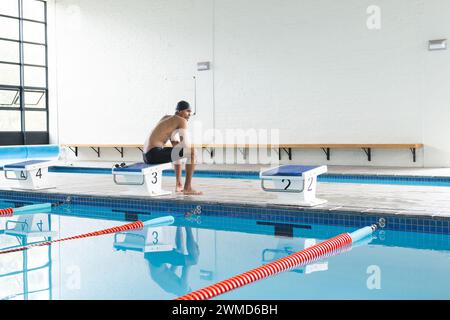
(161, 134)
(167, 129)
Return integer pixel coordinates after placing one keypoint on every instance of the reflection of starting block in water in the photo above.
(142, 177)
(31, 174)
(37, 225)
(146, 240)
(294, 185)
(283, 250)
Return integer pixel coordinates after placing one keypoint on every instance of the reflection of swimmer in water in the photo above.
(163, 265)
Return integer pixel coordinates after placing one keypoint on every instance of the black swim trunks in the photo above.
(160, 155)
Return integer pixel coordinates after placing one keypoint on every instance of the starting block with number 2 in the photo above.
(293, 184)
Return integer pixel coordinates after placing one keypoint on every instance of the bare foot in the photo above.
(191, 192)
(179, 188)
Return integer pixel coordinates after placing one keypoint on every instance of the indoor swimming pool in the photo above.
(236, 152)
(203, 247)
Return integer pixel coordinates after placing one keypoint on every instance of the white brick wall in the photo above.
(309, 68)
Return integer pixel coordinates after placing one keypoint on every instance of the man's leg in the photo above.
(192, 246)
(177, 169)
(190, 167)
(179, 183)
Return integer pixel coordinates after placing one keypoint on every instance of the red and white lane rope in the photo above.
(156, 222)
(280, 265)
(8, 212)
(125, 227)
(32, 208)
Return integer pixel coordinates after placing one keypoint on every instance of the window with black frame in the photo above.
(23, 72)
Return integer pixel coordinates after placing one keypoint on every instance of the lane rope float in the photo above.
(8, 212)
(32, 208)
(157, 222)
(280, 265)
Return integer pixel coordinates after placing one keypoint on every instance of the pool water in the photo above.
(198, 251)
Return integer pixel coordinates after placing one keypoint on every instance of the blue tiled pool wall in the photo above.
(248, 219)
(205, 220)
(254, 175)
(285, 215)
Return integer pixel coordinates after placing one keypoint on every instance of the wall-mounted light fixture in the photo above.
(439, 44)
(203, 66)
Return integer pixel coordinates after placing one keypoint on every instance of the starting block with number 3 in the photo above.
(293, 184)
(158, 239)
(31, 174)
(142, 177)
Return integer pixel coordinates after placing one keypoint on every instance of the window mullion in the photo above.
(31, 115)
(46, 67)
(22, 80)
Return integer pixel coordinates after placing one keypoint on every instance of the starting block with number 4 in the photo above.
(30, 225)
(142, 177)
(31, 174)
(293, 184)
(28, 166)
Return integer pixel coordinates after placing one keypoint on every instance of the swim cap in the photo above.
(183, 105)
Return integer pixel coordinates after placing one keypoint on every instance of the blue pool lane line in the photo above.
(386, 179)
(254, 175)
(88, 170)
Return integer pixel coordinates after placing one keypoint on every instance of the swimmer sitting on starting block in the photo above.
(165, 130)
